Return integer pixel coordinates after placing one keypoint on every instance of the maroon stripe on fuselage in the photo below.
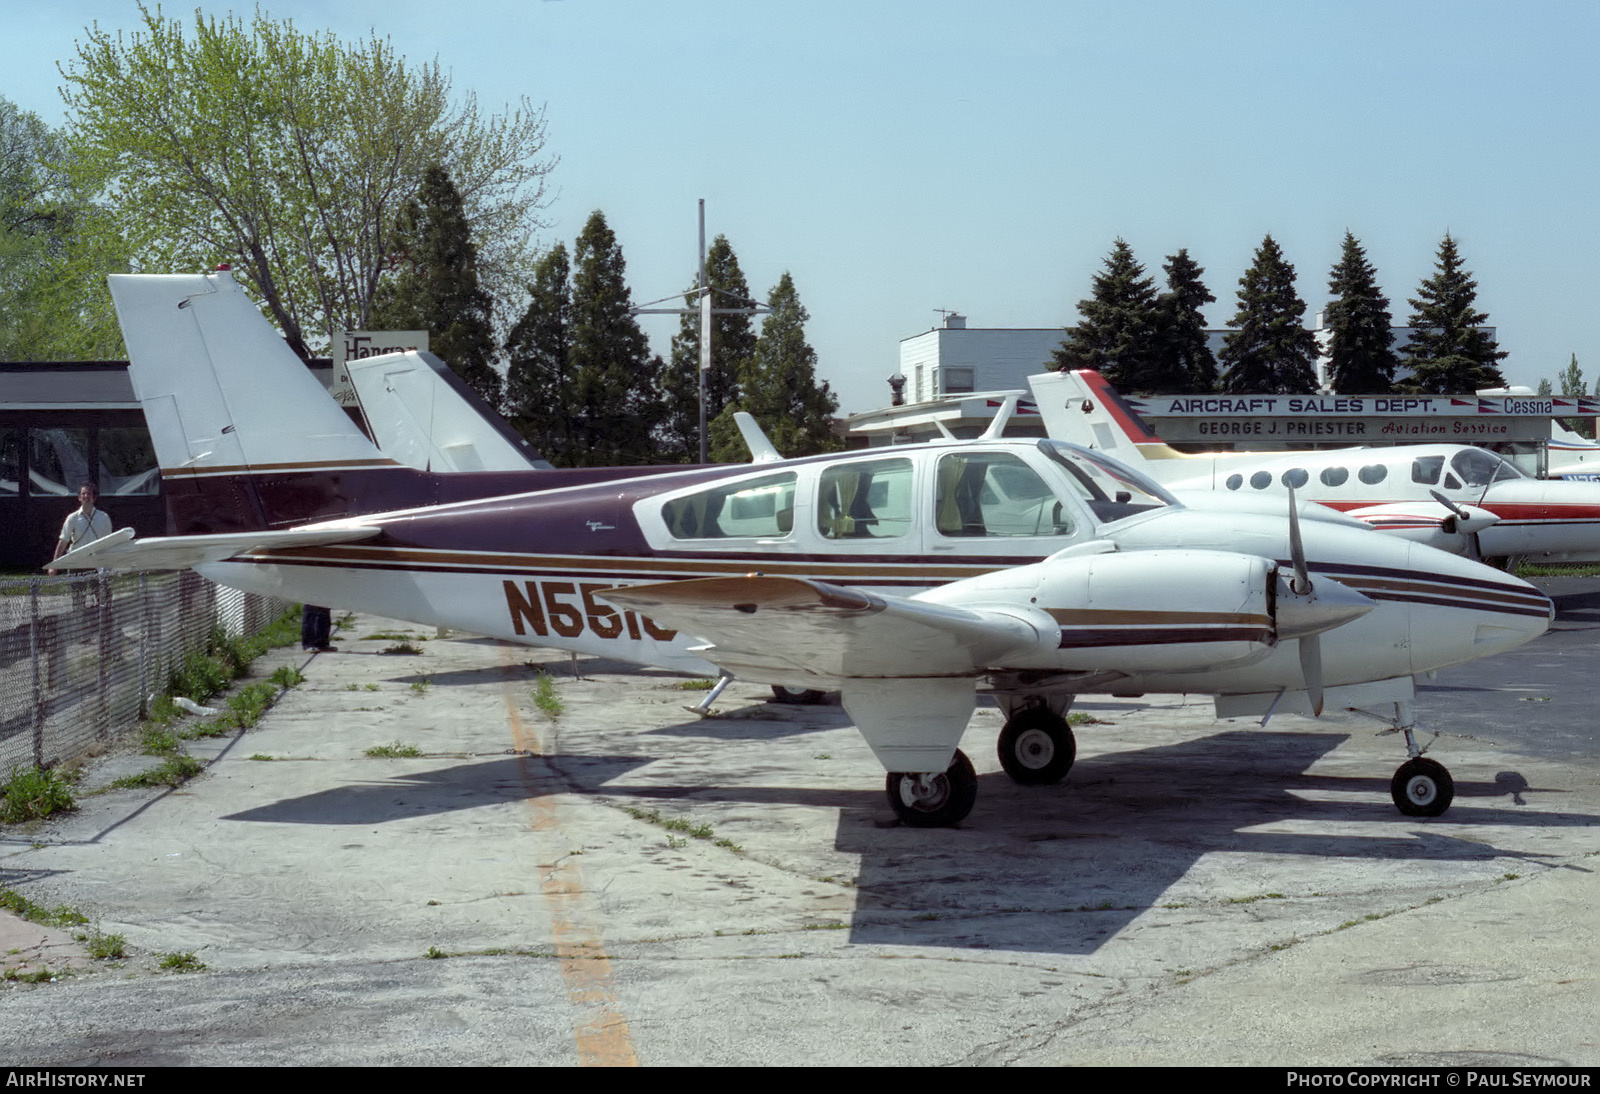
(204, 504)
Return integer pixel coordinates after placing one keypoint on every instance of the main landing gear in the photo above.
(1037, 746)
(1421, 787)
(934, 800)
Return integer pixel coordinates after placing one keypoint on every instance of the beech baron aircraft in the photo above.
(1491, 509)
(906, 579)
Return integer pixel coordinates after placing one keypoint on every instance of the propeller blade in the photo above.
(1311, 670)
(1297, 551)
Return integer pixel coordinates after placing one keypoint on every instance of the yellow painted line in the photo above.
(601, 1032)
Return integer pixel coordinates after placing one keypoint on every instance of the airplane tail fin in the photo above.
(227, 402)
(1083, 408)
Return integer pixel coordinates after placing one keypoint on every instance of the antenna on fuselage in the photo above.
(762, 450)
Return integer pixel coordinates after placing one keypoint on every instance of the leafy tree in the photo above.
(1270, 351)
(1544, 387)
(539, 382)
(1182, 359)
(1116, 330)
(1360, 358)
(54, 304)
(436, 286)
(733, 340)
(615, 406)
(1448, 352)
(780, 387)
(288, 155)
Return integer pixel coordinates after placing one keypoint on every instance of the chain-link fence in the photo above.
(81, 656)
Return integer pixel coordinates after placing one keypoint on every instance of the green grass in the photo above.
(695, 685)
(33, 792)
(546, 699)
(679, 824)
(59, 916)
(288, 676)
(420, 686)
(403, 647)
(396, 751)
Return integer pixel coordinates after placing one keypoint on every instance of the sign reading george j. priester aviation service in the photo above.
(1357, 419)
(353, 345)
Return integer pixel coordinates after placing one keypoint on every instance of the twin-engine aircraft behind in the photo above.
(907, 579)
(1491, 509)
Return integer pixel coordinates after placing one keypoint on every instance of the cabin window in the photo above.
(867, 499)
(1425, 469)
(1234, 482)
(1296, 477)
(996, 494)
(754, 507)
(1261, 480)
(1373, 473)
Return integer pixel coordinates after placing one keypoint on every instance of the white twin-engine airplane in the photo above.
(1491, 509)
(907, 579)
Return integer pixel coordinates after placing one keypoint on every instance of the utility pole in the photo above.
(703, 304)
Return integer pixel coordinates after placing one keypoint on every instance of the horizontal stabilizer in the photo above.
(121, 551)
(780, 629)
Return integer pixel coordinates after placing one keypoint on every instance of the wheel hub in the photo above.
(1035, 749)
(924, 792)
(1420, 789)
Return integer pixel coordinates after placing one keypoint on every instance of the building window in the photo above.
(955, 381)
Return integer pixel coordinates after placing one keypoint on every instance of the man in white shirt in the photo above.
(84, 525)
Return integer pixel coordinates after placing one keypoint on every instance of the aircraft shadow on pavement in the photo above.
(757, 722)
(1047, 869)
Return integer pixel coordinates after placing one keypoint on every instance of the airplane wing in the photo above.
(122, 551)
(781, 628)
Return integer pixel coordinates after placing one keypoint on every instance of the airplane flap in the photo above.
(121, 551)
(780, 628)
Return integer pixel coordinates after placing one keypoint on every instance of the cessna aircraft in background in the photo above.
(1495, 510)
(905, 578)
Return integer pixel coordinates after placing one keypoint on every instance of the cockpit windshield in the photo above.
(1479, 468)
(1111, 489)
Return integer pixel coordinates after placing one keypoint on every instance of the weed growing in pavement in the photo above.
(546, 699)
(396, 751)
(678, 824)
(31, 792)
(173, 771)
(101, 946)
(287, 676)
(182, 962)
(420, 686)
(403, 647)
(695, 685)
(39, 976)
(260, 756)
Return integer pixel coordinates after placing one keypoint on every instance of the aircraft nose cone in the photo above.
(1328, 605)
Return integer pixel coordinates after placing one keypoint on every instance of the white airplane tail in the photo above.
(221, 391)
(1081, 407)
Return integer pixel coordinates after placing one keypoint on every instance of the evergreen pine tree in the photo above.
(1360, 360)
(733, 340)
(780, 387)
(1270, 351)
(615, 407)
(539, 386)
(1183, 360)
(1117, 325)
(436, 288)
(1448, 353)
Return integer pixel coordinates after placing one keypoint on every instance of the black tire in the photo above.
(1037, 748)
(1422, 788)
(955, 791)
(797, 696)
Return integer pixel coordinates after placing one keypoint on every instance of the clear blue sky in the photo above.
(900, 157)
